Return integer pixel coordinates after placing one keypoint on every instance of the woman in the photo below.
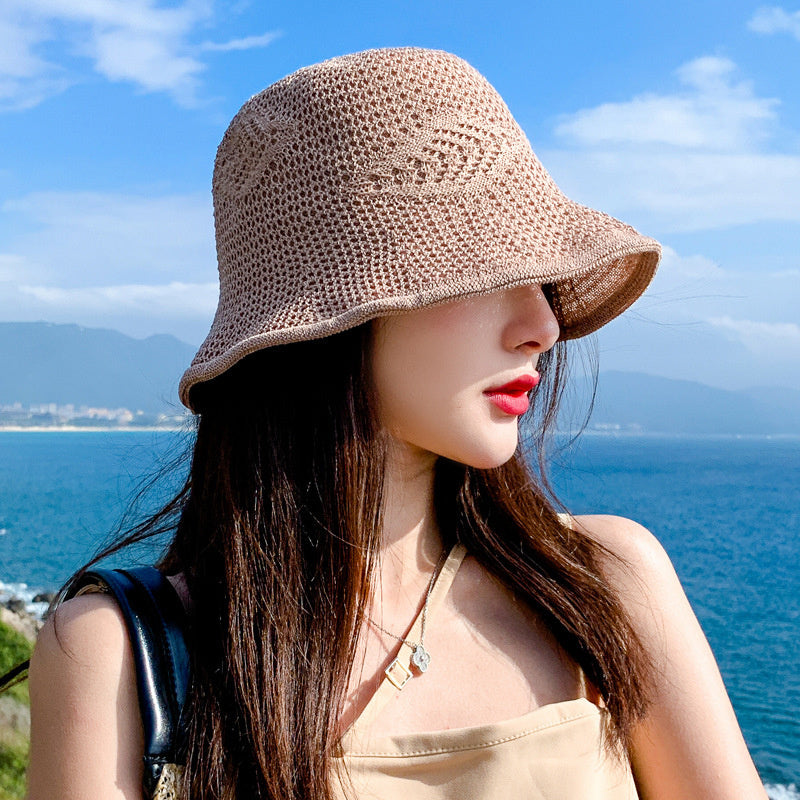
(382, 600)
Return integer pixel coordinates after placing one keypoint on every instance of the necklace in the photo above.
(420, 657)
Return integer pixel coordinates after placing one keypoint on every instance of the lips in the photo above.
(512, 397)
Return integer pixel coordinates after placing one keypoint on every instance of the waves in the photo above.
(22, 592)
(779, 791)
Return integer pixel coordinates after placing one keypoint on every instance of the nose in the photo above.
(533, 326)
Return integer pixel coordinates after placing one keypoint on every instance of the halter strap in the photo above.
(397, 674)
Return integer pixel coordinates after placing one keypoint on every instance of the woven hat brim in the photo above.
(591, 290)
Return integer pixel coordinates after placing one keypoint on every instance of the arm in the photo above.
(86, 732)
(689, 745)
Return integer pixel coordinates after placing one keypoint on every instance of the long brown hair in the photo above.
(277, 534)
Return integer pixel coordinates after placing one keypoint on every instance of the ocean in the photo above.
(727, 510)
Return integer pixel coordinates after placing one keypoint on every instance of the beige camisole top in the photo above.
(553, 753)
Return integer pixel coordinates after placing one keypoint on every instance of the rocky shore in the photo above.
(15, 614)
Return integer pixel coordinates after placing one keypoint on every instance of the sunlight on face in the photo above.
(432, 368)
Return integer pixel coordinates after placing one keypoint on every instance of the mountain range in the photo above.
(637, 402)
(42, 363)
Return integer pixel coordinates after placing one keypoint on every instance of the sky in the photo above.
(681, 118)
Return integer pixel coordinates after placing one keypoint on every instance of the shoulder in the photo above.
(632, 554)
(85, 636)
(86, 733)
(622, 537)
(639, 570)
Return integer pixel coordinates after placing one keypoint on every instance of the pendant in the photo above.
(420, 658)
(397, 674)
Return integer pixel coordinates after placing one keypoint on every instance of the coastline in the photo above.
(86, 429)
(676, 435)
(605, 434)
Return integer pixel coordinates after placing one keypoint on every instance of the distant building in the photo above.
(40, 415)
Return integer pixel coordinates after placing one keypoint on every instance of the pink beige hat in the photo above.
(385, 181)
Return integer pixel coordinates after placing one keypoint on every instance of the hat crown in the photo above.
(392, 120)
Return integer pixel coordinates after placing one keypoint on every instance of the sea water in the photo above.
(727, 510)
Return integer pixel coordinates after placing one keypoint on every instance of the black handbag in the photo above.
(156, 621)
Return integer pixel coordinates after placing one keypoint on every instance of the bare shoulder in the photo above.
(65, 638)
(641, 573)
(84, 642)
(86, 733)
(622, 537)
(635, 559)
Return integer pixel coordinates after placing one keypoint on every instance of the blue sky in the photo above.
(682, 118)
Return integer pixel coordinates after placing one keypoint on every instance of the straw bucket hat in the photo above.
(389, 180)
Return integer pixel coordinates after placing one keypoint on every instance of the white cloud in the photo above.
(691, 289)
(150, 62)
(182, 309)
(17, 59)
(77, 239)
(746, 328)
(697, 159)
(137, 264)
(772, 338)
(786, 273)
(700, 321)
(712, 113)
(694, 267)
(143, 42)
(774, 19)
(11, 267)
(663, 192)
(246, 43)
(26, 79)
(172, 300)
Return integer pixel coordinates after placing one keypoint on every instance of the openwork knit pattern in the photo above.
(389, 180)
(168, 787)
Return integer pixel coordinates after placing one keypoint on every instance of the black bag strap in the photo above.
(156, 622)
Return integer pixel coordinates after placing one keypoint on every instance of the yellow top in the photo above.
(552, 753)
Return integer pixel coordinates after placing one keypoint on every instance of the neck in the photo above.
(411, 544)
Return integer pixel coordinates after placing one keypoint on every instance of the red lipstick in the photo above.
(512, 397)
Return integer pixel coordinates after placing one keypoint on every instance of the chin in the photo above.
(491, 463)
(488, 456)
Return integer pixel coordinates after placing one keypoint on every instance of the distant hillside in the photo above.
(42, 362)
(635, 401)
(47, 363)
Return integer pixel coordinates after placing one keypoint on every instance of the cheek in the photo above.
(413, 381)
(428, 388)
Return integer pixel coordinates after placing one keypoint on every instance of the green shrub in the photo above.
(14, 648)
(13, 763)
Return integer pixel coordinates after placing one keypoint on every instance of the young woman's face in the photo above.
(435, 370)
